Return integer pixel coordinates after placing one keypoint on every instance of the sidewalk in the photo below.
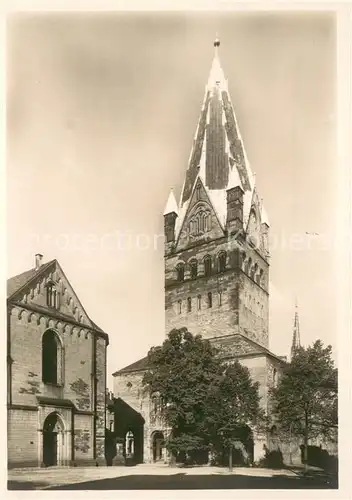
(57, 476)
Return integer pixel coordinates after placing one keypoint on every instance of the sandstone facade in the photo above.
(56, 373)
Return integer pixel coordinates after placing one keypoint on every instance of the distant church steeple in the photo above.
(296, 340)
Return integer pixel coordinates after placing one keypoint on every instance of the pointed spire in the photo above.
(264, 215)
(171, 205)
(296, 339)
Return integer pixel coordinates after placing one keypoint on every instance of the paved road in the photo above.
(140, 478)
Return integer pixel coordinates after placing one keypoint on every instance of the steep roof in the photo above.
(137, 366)
(17, 282)
(218, 155)
(171, 205)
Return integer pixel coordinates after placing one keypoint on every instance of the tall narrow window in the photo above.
(51, 295)
(199, 302)
(274, 377)
(207, 265)
(50, 357)
(129, 443)
(180, 272)
(189, 304)
(220, 298)
(210, 299)
(194, 269)
(198, 192)
(260, 277)
(249, 266)
(222, 262)
(179, 306)
(202, 222)
(207, 222)
(254, 271)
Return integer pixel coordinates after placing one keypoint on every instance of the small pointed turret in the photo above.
(296, 340)
(171, 205)
(264, 216)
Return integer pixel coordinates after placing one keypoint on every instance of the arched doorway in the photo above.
(53, 436)
(158, 446)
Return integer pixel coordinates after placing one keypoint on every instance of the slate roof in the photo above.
(140, 365)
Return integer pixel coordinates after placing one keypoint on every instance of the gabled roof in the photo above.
(257, 348)
(137, 366)
(16, 283)
(142, 364)
(19, 281)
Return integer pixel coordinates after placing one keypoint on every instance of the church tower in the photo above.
(216, 236)
(296, 340)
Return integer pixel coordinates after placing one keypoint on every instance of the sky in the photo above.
(101, 114)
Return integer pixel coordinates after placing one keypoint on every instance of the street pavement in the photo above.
(163, 477)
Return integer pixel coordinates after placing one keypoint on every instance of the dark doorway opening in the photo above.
(52, 426)
(158, 446)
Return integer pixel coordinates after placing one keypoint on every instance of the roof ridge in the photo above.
(35, 275)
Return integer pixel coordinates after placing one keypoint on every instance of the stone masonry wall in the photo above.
(101, 388)
(83, 438)
(239, 304)
(128, 387)
(26, 351)
(22, 436)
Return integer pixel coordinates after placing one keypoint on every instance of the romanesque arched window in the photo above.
(220, 298)
(179, 303)
(210, 299)
(51, 358)
(222, 262)
(194, 269)
(260, 277)
(180, 269)
(52, 295)
(189, 304)
(199, 302)
(207, 265)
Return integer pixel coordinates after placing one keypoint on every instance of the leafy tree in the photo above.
(233, 405)
(202, 398)
(305, 400)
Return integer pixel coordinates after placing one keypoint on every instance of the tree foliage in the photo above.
(204, 400)
(305, 400)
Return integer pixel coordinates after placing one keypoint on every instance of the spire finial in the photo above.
(216, 45)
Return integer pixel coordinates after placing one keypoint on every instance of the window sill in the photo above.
(51, 384)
